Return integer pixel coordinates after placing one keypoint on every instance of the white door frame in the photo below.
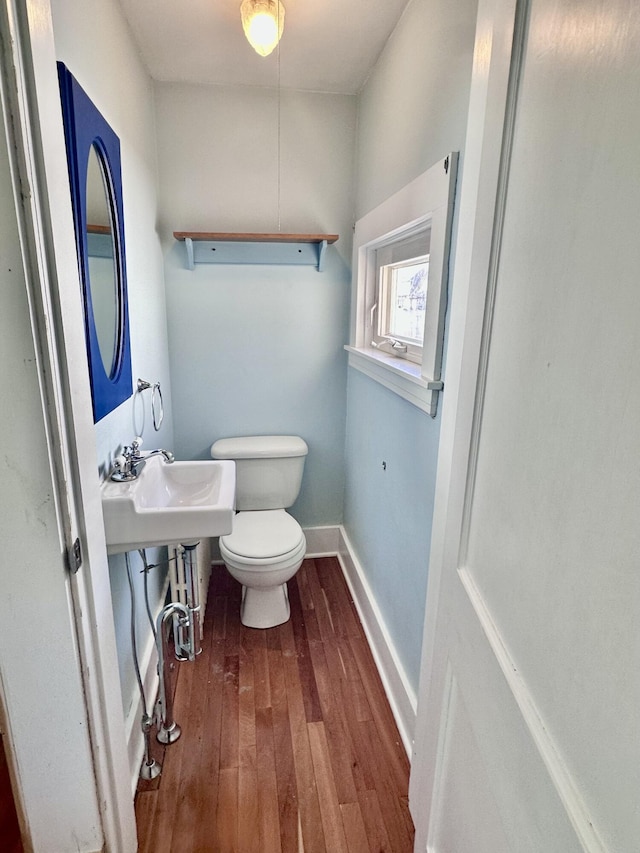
(40, 170)
(499, 36)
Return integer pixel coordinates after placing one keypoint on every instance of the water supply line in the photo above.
(150, 767)
(147, 568)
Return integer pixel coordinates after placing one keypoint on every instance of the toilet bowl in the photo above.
(267, 545)
(264, 551)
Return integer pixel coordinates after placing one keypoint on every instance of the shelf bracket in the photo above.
(188, 243)
(322, 248)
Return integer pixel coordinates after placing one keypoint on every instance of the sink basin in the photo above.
(178, 502)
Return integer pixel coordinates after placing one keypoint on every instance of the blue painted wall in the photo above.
(259, 349)
(388, 508)
(420, 91)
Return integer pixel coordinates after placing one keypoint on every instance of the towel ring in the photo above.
(157, 406)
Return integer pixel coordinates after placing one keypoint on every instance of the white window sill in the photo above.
(398, 375)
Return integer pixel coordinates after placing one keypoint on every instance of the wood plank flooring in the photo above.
(288, 743)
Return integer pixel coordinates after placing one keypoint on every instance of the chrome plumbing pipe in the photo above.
(193, 598)
(187, 638)
(168, 730)
(150, 767)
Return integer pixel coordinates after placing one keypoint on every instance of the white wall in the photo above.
(90, 38)
(411, 113)
(259, 349)
(413, 109)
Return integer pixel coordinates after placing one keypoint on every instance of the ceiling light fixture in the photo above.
(263, 23)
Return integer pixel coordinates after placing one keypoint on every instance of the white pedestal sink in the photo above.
(177, 502)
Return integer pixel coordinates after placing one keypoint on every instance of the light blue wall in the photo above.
(419, 93)
(388, 509)
(259, 349)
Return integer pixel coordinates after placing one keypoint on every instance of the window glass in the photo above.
(400, 301)
(404, 295)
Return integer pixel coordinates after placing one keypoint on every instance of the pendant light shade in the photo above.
(263, 23)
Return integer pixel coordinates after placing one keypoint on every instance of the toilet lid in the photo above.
(263, 533)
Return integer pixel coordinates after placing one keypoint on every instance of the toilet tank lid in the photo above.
(259, 446)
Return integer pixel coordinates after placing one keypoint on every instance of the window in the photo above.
(399, 310)
(400, 271)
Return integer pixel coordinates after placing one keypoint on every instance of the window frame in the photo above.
(425, 203)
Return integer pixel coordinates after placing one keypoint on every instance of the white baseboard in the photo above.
(322, 541)
(149, 673)
(401, 696)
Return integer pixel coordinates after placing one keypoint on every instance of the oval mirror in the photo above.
(103, 278)
(95, 180)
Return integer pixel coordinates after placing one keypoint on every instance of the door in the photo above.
(528, 737)
(58, 662)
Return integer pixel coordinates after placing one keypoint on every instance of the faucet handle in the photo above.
(120, 463)
(121, 470)
(136, 444)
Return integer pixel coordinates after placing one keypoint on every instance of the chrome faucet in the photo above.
(168, 455)
(131, 461)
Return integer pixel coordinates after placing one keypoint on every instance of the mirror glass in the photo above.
(101, 257)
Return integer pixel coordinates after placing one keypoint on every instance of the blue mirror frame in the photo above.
(84, 127)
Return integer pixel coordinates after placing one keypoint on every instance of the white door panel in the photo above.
(532, 671)
(463, 777)
(522, 792)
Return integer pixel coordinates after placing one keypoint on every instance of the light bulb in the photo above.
(263, 22)
(263, 33)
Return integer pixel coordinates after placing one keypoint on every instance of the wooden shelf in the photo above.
(217, 247)
(237, 237)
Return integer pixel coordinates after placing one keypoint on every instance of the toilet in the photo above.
(267, 545)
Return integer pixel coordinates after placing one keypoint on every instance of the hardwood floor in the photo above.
(288, 743)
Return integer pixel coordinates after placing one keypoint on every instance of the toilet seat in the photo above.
(263, 575)
(263, 537)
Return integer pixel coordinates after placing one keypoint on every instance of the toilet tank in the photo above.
(268, 468)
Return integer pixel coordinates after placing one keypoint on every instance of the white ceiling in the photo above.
(327, 45)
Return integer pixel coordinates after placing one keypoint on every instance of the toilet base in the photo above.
(264, 607)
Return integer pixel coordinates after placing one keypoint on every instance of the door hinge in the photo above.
(74, 557)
